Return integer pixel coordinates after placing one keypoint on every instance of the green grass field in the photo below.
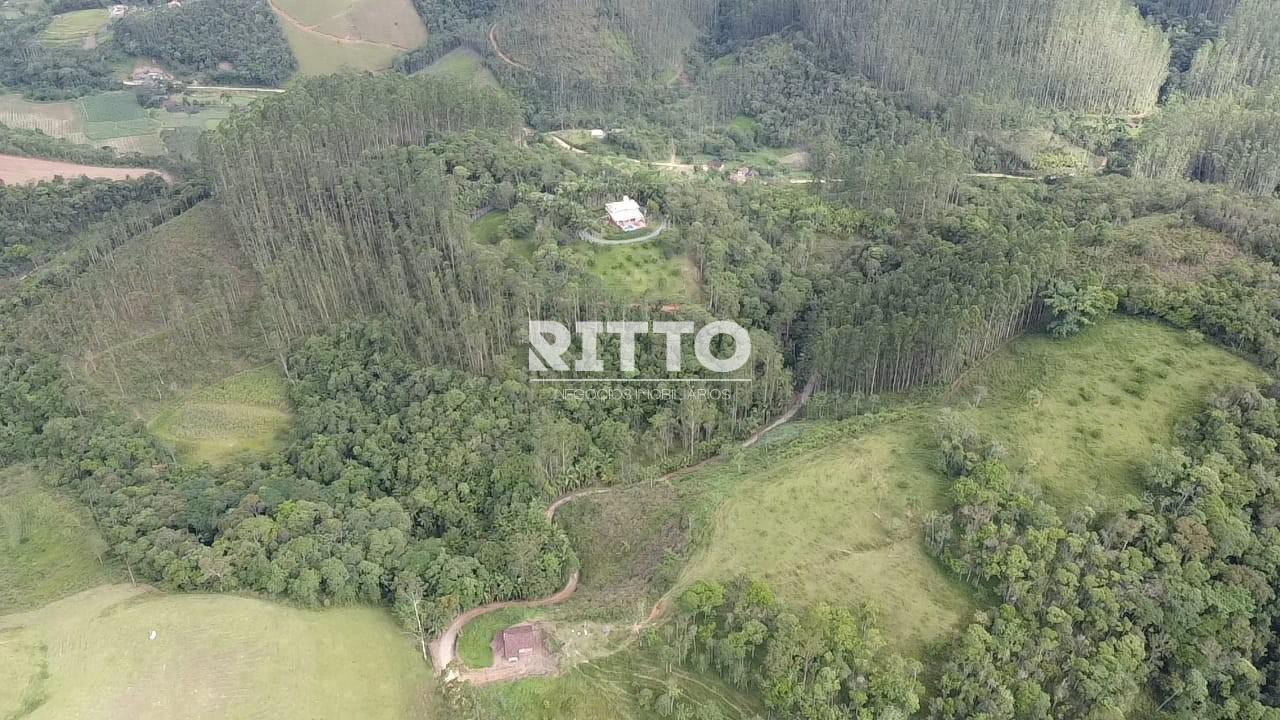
(1080, 416)
(463, 65)
(49, 548)
(116, 114)
(246, 413)
(329, 36)
(839, 520)
(473, 643)
(611, 688)
(212, 657)
(643, 273)
(390, 22)
(74, 29)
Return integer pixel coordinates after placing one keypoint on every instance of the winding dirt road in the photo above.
(444, 648)
(345, 40)
(493, 43)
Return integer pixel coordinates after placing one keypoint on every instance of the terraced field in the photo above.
(77, 29)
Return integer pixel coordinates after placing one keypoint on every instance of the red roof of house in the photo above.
(517, 638)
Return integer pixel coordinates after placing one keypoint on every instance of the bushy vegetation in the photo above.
(1173, 594)
(44, 73)
(37, 219)
(229, 41)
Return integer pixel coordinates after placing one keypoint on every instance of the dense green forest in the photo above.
(238, 41)
(43, 73)
(1175, 593)
(938, 180)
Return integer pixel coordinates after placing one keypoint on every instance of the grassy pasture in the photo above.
(320, 55)
(643, 273)
(1080, 416)
(825, 514)
(610, 688)
(215, 657)
(463, 65)
(49, 547)
(245, 413)
(74, 29)
(330, 36)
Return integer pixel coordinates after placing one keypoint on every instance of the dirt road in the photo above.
(493, 43)
(343, 39)
(16, 170)
(444, 648)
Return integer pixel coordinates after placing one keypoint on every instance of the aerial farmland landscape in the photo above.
(595, 360)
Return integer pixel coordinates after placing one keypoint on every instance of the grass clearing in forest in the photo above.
(612, 687)
(93, 655)
(74, 29)
(49, 547)
(248, 412)
(1080, 416)
(464, 65)
(643, 273)
(839, 519)
(629, 543)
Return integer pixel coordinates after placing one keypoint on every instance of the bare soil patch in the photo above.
(15, 170)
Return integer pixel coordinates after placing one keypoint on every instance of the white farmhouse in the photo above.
(626, 214)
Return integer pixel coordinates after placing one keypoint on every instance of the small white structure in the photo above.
(174, 4)
(117, 11)
(598, 134)
(626, 214)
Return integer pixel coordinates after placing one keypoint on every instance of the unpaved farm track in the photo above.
(16, 170)
(493, 42)
(444, 648)
(343, 39)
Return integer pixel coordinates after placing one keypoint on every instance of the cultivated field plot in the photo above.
(114, 119)
(245, 413)
(122, 652)
(17, 170)
(59, 119)
(334, 35)
(77, 29)
(114, 115)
